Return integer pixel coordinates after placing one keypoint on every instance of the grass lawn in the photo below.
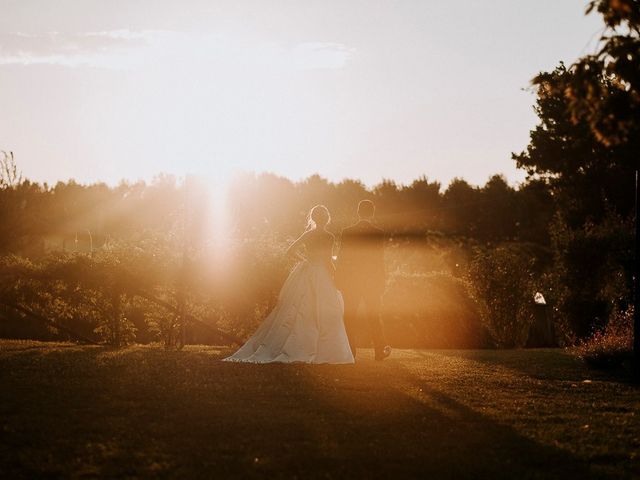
(77, 411)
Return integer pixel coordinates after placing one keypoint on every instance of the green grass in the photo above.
(71, 411)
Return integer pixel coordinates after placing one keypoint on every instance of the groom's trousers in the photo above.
(371, 301)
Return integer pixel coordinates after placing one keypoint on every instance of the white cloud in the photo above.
(321, 55)
(125, 49)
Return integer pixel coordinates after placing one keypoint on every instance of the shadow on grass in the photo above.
(410, 429)
(148, 413)
(542, 364)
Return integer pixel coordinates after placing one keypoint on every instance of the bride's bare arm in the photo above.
(293, 249)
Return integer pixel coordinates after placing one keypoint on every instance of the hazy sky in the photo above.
(111, 89)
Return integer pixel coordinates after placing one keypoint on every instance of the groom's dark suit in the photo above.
(360, 277)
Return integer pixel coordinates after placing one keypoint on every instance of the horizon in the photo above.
(104, 94)
(181, 179)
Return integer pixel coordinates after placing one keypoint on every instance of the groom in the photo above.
(360, 276)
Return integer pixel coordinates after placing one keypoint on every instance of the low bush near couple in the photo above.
(612, 345)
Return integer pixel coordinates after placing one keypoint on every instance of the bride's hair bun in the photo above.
(318, 217)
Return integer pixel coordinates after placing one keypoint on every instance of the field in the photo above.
(80, 412)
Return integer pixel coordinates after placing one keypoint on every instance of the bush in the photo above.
(611, 346)
(592, 272)
(433, 310)
(502, 280)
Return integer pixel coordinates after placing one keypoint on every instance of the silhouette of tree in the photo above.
(461, 205)
(586, 150)
(423, 203)
(586, 176)
(606, 88)
(498, 219)
(535, 207)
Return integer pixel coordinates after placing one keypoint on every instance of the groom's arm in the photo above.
(378, 260)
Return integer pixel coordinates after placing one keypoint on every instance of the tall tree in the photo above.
(586, 149)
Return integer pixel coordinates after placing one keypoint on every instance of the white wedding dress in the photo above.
(307, 323)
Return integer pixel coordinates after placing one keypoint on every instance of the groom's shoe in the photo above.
(381, 355)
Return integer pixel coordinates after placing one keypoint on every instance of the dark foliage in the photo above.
(585, 150)
(612, 345)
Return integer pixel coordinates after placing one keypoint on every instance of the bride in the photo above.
(306, 324)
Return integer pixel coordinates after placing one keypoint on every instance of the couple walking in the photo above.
(314, 320)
